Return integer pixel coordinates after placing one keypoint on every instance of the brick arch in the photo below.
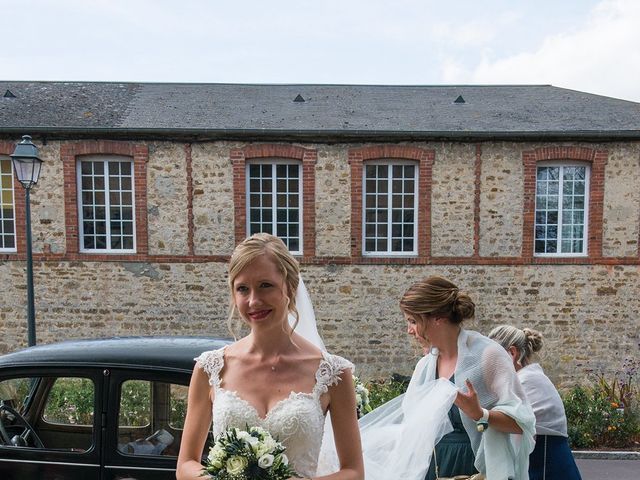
(69, 152)
(425, 159)
(308, 157)
(598, 161)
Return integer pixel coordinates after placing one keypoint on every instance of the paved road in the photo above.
(598, 469)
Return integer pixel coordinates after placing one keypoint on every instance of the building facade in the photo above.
(531, 207)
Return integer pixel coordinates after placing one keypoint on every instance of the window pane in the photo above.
(389, 198)
(140, 402)
(106, 183)
(7, 225)
(135, 404)
(543, 173)
(551, 204)
(70, 402)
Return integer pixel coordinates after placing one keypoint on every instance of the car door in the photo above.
(145, 417)
(50, 428)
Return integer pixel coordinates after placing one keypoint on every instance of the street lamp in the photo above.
(26, 164)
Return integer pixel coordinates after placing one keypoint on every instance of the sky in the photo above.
(587, 45)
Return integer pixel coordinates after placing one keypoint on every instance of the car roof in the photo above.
(145, 352)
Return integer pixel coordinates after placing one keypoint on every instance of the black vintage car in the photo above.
(96, 409)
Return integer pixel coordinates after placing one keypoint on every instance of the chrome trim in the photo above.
(130, 467)
(50, 463)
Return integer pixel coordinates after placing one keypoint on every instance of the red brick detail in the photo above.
(308, 157)
(69, 153)
(178, 259)
(190, 224)
(7, 148)
(425, 158)
(598, 161)
(476, 201)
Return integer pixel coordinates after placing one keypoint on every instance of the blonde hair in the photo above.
(437, 296)
(526, 341)
(246, 252)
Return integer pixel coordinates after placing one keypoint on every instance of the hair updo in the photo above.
(437, 296)
(527, 341)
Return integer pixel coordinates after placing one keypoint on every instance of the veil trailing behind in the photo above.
(403, 430)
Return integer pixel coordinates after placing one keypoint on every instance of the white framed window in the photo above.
(106, 205)
(7, 207)
(274, 200)
(390, 208)
(562, 204)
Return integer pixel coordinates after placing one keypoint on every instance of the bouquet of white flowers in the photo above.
(362, 398)
(251, 454)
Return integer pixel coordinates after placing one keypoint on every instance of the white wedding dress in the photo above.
(297, 421)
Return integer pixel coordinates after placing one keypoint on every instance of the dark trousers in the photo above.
(552, 459)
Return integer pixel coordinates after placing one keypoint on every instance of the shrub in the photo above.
(381, 391)
(605, 413)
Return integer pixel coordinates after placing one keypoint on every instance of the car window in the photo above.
(47, 412)
(151, 417)
(70, 402)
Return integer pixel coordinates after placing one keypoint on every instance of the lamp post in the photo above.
(27, 164)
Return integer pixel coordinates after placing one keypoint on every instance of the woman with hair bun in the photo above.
(464, 414)
(552, 458)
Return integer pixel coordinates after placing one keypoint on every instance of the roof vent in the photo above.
(459, 99)
(299, 99)
(9, 94)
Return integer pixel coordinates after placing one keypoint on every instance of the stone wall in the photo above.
(452, 200)
(588, 314)
(588, 309)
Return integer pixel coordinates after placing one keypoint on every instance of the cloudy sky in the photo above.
(587, 45)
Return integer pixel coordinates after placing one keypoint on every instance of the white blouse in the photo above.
(545, 401)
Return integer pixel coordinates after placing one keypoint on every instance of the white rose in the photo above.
(265, 461)
(242, 435)
(236, 465)
(284, 459)
(253, 441)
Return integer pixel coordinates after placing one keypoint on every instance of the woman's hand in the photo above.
(469, 403)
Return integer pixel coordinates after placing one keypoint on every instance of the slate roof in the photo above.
(210, 111)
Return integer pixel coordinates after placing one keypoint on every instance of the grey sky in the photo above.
(588, 45)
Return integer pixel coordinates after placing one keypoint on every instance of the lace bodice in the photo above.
(297, 420)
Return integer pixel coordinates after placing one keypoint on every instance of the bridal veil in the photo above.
(397, 438)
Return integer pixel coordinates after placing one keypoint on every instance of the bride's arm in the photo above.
(342, 405)
(196, 426)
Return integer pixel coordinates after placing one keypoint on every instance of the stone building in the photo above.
(526, 196)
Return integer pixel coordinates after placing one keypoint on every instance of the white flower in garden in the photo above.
(265, 461)
(236, 465)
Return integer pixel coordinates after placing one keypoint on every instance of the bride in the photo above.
(274, 377)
